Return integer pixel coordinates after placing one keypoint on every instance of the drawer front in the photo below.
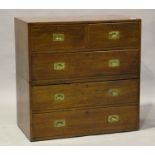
(46, 37)
(123, 92)
(58, 67)
(114, 35)
(84, 122)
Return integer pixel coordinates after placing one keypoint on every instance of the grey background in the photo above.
(9, 132)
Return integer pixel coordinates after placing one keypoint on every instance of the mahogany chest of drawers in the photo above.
(77, 76)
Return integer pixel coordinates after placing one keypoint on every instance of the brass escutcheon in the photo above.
(113, 118)
(113, 92)
(114, 63)
(59, 97)
(58, 37)
(114, 35)
(59, 66)
(59, 123)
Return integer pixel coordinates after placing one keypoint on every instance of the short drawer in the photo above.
(82, 65)
(47, 37)
(114, 35)
(84, 122)
(114, 93)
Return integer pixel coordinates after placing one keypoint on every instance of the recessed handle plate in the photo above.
(59, 123)
(114, 63)
(114, 35)
(59, 97)
(113, 118)
(59, 66)
(58, 37)
(113, 92)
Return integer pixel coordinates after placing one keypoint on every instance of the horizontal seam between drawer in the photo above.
(135, 104)
(33, 53)
(33, 83)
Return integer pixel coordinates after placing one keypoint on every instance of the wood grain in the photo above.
(77, 19)
(84, 64)
(86, 79)
(41, 37)
(84, 36)
(83, 80)
(84, 122)
(85, 95)
(129, 35)
(22, 77)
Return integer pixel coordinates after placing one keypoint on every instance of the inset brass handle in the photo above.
(59, 97)
(114, 35)
(59, 66)
(113, 92)
(113, 118)
(59, 123)
(58, 37)
(114, 63)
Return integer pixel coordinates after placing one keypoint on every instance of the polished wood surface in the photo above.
(84, 36)
(84, 122)
(82, 64)
(41, 38)
(82, 80)
(85, 95)
(74, 19)
(129, 35)
(22, 77)
(75, 75)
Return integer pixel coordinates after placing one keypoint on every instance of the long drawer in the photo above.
(84, 65)
(84, 122)
(112, 93)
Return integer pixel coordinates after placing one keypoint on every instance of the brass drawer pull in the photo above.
(114, 92)
(59, 123)
(58, 37)
(114, 63)
(59, 66)
(113, 118)
(114, 35)
(59, 97)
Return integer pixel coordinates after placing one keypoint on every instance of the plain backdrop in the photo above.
(9, 132)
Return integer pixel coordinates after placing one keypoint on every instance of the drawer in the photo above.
(114, 35)
(84, 122)
(47, 37)
(114, 93)
(57, 67)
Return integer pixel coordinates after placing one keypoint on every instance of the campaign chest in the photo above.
(77, 76)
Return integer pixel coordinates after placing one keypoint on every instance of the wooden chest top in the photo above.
(74, 19)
